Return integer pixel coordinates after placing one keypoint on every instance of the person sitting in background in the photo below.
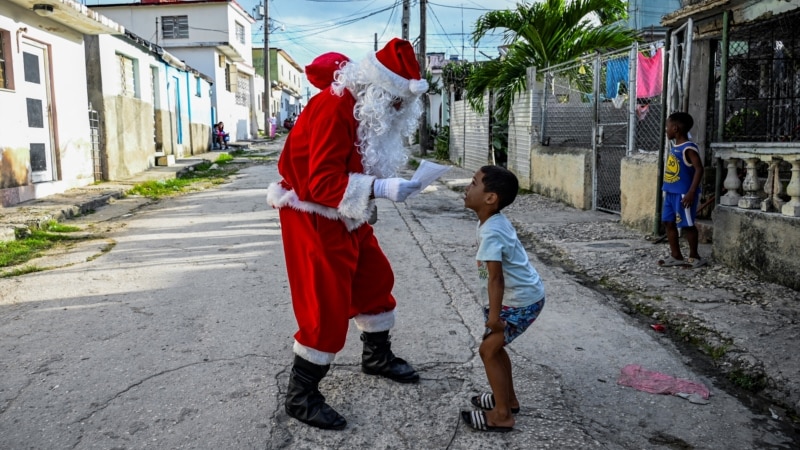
(220, 136)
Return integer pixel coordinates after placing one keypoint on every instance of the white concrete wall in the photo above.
(288, 74)
(70, 120)
(200, 50)
(435, 111)
(209, 23)
(110, 47)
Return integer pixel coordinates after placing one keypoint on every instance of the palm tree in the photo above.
(542, 34)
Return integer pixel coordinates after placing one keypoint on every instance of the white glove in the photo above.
(395, 189)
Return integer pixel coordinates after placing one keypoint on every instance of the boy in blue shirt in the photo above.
(682, 176)
(511, 287)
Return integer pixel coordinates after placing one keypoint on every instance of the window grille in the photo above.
(127, 76)
(243, 90)
(240, 33)
(763, 92)
(175, 27)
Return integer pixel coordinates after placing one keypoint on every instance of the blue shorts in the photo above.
(517, 319)
(673, 211)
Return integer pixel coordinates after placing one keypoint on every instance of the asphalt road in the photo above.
(180, 336)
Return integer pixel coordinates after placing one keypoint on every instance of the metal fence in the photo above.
(470, 136)
(601, 104)
(94, 136)
(523, 127)
(763, 93)
(609, 104)
(458, 125)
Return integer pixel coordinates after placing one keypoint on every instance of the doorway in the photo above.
(36, 90)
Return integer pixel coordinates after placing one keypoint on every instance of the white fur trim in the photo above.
(279, 197)
(377, 73)
(373, 323)
(355, 201)
(418, 87)
(311, 355)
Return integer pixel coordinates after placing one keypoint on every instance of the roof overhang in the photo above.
(73, 15)
(229, 51)
(698, 11)
(743, 12)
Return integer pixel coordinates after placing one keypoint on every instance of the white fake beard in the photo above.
(381, 128)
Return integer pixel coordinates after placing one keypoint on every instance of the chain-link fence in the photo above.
(567, 108)
(610, 104)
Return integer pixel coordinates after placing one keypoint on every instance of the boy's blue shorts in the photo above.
(673, 211)
(517, 319)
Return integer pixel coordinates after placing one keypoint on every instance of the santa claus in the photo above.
(342, 153)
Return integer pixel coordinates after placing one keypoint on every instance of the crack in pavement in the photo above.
(108, 402)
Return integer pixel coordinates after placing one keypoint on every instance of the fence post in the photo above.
(632, 97)
(543, 127)
(596, 66)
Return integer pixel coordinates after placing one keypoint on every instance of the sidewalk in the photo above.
(744, 329)
(82, 200)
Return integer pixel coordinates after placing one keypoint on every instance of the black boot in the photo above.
(378, 359)
(304, 402)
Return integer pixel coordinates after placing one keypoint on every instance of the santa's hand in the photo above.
(395, 189)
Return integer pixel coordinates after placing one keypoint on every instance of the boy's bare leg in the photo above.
(496, 373)
(512, 395)
(672, 238)
(691, 238)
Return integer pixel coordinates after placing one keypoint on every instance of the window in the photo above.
(762, 102)
(243, 90)
(231, 78)
(127, 77)
(198, 87)
(6, 74)
(240, 32)
(175, 27)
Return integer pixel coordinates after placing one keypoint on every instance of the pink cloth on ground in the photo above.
(635, 376)
(649, 73)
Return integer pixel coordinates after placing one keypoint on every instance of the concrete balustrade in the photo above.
(753, 153)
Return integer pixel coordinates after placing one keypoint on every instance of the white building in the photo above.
(212, 36)
(286, 78)
(46, 141)
(151, 107)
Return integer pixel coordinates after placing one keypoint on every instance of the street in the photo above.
(180, 336)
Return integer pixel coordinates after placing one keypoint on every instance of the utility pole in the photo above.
(267, 83)
(406, 18)
(376, 42)
(424, 136)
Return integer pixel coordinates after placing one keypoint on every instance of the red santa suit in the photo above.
(335, 266)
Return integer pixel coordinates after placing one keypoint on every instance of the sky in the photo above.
(306, 29)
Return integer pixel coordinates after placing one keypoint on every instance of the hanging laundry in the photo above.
(642, 110)
(649, 74)
(616, 73)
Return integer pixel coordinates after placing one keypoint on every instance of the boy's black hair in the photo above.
(683, 119)
(502, 182)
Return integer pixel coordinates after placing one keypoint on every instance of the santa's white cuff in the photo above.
(311, 355)
(373, 323)
(355, 202)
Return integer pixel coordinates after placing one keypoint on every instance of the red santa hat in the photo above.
(320, 72)
(395, 68)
